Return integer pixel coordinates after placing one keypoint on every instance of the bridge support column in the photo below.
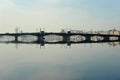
(40, 38)
(16, 38)
(66, 38)
(88, 38)
(119, 38)
(106, 38)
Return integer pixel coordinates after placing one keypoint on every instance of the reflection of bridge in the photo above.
(65, 37)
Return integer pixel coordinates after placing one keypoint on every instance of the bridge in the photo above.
(66, 37)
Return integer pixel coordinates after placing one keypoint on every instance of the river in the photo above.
(59, 62)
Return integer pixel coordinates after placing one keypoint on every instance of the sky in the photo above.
(54, 15)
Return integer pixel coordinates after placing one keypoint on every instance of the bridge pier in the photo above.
(16, 38)
(40, 37)
(87, 38)
(106, 38)
(66, 38)
(118, 38)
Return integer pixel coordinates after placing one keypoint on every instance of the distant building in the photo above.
(114, 31)
(103, 32)
(63, 31)
(76, 31)
(72, 31)
(16, 30)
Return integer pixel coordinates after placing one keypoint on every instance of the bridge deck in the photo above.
(62, 34)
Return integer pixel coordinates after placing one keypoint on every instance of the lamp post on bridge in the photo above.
(16, 30)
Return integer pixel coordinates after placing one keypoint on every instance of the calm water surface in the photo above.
(59, 62)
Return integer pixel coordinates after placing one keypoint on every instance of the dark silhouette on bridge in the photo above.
(66, 37)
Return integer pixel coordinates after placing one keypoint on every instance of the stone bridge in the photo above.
(66, 37)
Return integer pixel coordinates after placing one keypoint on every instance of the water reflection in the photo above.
(56, 62)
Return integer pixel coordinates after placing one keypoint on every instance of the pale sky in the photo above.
(53, 15)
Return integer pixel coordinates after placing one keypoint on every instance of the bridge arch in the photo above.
(77, 38)
(53, 38)
(113, 38)
(6, 38)
(97, 38)
(27, 38)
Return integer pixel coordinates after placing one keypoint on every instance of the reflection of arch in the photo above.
(27, 38)
(77, 38)
(114, 43)
(97, 38)
(53, 38)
